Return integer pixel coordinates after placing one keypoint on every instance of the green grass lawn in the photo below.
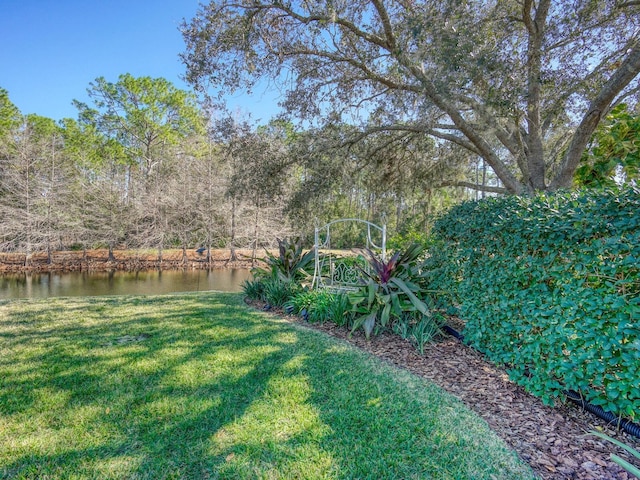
(200, 386)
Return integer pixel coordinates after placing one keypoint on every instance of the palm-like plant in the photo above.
(387, 290)
(290, 264)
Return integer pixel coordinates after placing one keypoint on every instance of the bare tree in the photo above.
(208, 179)
(34, 184)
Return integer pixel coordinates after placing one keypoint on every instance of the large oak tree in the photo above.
(521, 84)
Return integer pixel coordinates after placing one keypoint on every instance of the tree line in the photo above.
(144, 166)
(393, 111)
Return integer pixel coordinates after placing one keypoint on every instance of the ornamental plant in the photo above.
(291, 263)
(253, 289)
(320, 306)
(278, 291)
(275, 292)
(420, 331)
(388, 290)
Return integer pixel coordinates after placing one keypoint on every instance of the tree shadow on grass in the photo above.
(157, 444)
(144, 412)
(208, 394)
(398, 425)
(82, 354)
(366, 420)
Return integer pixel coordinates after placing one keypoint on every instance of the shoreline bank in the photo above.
(125, 260)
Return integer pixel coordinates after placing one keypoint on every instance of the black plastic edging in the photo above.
(627, 425)
(453, 333)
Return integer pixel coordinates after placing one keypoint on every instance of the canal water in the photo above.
(153, 282)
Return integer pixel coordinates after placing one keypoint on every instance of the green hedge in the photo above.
(550, 287)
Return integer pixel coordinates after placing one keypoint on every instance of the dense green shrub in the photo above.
(550, 287)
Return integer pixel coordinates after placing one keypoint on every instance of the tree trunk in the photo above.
(255, 235)
(484, 178)
(233, 256)
(477, 192)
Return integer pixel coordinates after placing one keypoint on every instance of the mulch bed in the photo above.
(552, 440)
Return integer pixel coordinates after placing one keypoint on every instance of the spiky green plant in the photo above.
(388, 290)
(277, 292)
(419, 329)
(302, 301)
(319, 306)
(340, 310)
(254, 289)
(425, 330)
(632, 469)
(291, 263)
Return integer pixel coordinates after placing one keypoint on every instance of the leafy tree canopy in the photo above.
(89, 147)
(143, 114)
(10, 116)
(614, 154)
(41, 127)
(522, 84)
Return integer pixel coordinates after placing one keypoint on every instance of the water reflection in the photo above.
(153, 282)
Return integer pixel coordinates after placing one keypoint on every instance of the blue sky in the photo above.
(51, 50)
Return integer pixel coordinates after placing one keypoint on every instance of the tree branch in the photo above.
(374, 39)
(386, 24)
(474, 186)
(372, 76)
(417, 129)
(627, 71)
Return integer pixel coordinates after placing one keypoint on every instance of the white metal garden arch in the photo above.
(337, 275)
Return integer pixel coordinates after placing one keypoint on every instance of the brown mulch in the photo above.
(552, 440)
